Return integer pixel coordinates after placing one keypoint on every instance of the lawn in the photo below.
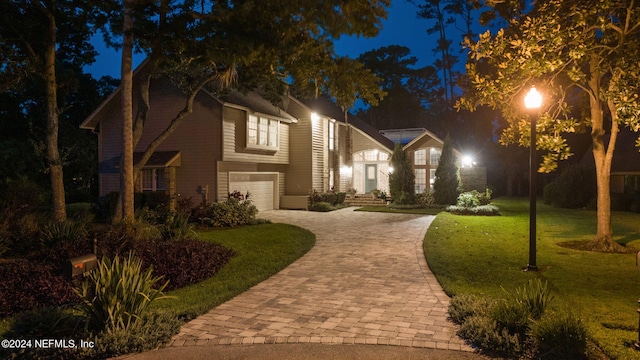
(486, 255)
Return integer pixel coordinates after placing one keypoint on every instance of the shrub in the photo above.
(536, 296)
(28, 285)
(468, 200)
(124, 232)
(321, 207)
(153, 330)
(55, 233)
(486, 210)
(574, 188)
(182, 263)
(230, 213)
(405, 198)
(117, 293)
(178, 227)
(45, 323)
(505, 326)
(426, 198)
(402, 180)
(464, 306)
(484, 332)
(341, 196)
(560, 335)
(447, 177)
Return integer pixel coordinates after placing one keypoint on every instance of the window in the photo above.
(420, 157)
(331, 135)
(421, 180)
(262, 133)
(432, 177)
(434, 156)
(153, 179)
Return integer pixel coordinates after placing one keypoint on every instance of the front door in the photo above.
(370, 177)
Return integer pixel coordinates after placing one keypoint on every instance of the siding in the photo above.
(197, 138)
(362, 142)
(234, 125)
(299, 172)
(318, 147)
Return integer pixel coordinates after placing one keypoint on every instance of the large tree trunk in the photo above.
(125, 206)
(602, 155)
(53, 154)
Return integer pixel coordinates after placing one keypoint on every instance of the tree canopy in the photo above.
(573, 52)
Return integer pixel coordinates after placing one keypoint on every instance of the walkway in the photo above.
(364, 282)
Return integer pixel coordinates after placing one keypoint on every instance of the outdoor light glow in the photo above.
(533, 100)
(315, 117)
(345, 170)
(390, 169)
(467, 161)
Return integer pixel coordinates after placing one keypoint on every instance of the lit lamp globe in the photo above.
(533, 100)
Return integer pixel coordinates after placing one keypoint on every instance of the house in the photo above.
(424, 149)
(356, 155)
(243, 142)
(625, 165)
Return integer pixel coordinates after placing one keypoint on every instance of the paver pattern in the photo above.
(365, 281)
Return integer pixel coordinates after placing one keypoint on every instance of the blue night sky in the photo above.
(402, 27)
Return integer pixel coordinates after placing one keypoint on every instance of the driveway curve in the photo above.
(365, 281)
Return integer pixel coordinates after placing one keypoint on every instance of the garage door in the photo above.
(260, 186)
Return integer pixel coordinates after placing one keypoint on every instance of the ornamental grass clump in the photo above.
(117, 293)
(516, 324)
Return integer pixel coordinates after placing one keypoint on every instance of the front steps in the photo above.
(364, 200)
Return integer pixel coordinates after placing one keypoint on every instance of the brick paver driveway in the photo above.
(364, 282)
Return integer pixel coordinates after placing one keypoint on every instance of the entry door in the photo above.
(370, 177)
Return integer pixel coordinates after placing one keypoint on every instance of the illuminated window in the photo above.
(421, 180)
(432, 177)
(331, 135)
(262, 133)
(420, 157)
(434, 156)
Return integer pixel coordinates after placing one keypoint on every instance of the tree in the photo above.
(31, 35)
(408, 89)
(402, 179)
(575, 52)
(435, 10)
(447, 181)
(215, 45)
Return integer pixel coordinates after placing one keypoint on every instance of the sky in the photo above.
(402, 27)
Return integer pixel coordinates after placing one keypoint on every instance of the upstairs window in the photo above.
(262, 132)
(434, 156)
(420, 157)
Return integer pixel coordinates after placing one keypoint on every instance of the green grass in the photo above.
(386, 209)
(263, 250)
(486, 255)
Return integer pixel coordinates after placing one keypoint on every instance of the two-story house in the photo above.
(243, 142)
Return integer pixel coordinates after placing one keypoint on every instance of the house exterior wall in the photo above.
(427, 143)
(197, 138)
(234, 140)
(298, 173)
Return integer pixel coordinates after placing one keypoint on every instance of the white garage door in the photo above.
(260, 186)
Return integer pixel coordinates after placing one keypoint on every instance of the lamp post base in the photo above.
(530, 268)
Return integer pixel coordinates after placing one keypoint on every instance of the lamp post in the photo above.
(532, 102)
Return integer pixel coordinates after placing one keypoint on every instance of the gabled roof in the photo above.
(325, 106)
(421, 136)
(254, 103)
(251, 102)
